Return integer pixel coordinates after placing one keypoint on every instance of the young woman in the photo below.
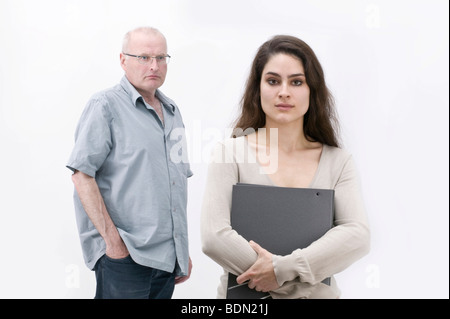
(288, 113)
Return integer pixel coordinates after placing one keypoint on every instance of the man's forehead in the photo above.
(143, 41)
(147, 36)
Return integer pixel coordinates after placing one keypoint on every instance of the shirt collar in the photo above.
(135, 95)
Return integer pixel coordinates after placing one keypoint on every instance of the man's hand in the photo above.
(117, 250)
(180, 280)
(260, 275)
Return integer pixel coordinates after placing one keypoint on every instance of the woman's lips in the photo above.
(284, 106)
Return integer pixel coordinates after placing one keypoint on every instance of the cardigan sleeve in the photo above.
(219, 241)
(345, 243)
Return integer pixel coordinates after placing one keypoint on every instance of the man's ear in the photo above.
(123, 61)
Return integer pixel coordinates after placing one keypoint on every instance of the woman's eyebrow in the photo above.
(296, 75)
(290, 76)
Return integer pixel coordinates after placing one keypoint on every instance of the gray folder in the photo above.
(279, 219)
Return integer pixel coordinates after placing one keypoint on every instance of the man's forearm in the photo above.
(95, 208)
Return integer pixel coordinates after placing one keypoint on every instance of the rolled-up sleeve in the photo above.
(93, 140)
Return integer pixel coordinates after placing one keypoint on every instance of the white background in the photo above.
(386, 62)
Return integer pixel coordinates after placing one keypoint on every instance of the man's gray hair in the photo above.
(146, 30)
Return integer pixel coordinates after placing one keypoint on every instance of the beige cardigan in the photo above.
(300, 273)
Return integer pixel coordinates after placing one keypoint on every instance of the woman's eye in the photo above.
(272, 81)
(297, 82)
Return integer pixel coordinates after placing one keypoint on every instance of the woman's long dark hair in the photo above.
(320, 121)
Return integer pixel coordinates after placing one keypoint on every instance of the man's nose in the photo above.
(154, 64)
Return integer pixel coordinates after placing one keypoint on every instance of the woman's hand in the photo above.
(260, 275)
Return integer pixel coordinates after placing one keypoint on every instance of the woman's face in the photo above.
(284, 91)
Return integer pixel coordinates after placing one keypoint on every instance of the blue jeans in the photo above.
(125, 279)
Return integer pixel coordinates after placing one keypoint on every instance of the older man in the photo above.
(130, 194)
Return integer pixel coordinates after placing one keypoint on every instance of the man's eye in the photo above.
(160, 58)
(144, 58)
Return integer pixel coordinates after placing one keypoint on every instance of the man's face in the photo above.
(146, 78)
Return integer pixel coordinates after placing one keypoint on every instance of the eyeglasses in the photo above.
(145, 59)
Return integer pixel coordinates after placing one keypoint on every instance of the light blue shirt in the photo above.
(140, 165)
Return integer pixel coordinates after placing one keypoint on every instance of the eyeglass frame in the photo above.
(140, 57)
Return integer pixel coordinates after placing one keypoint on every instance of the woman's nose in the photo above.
(284, 92)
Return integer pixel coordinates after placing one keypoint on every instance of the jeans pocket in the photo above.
(125, 260)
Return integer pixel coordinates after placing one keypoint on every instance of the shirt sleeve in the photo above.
(219, 241)
(346, 242)
(93, 139)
